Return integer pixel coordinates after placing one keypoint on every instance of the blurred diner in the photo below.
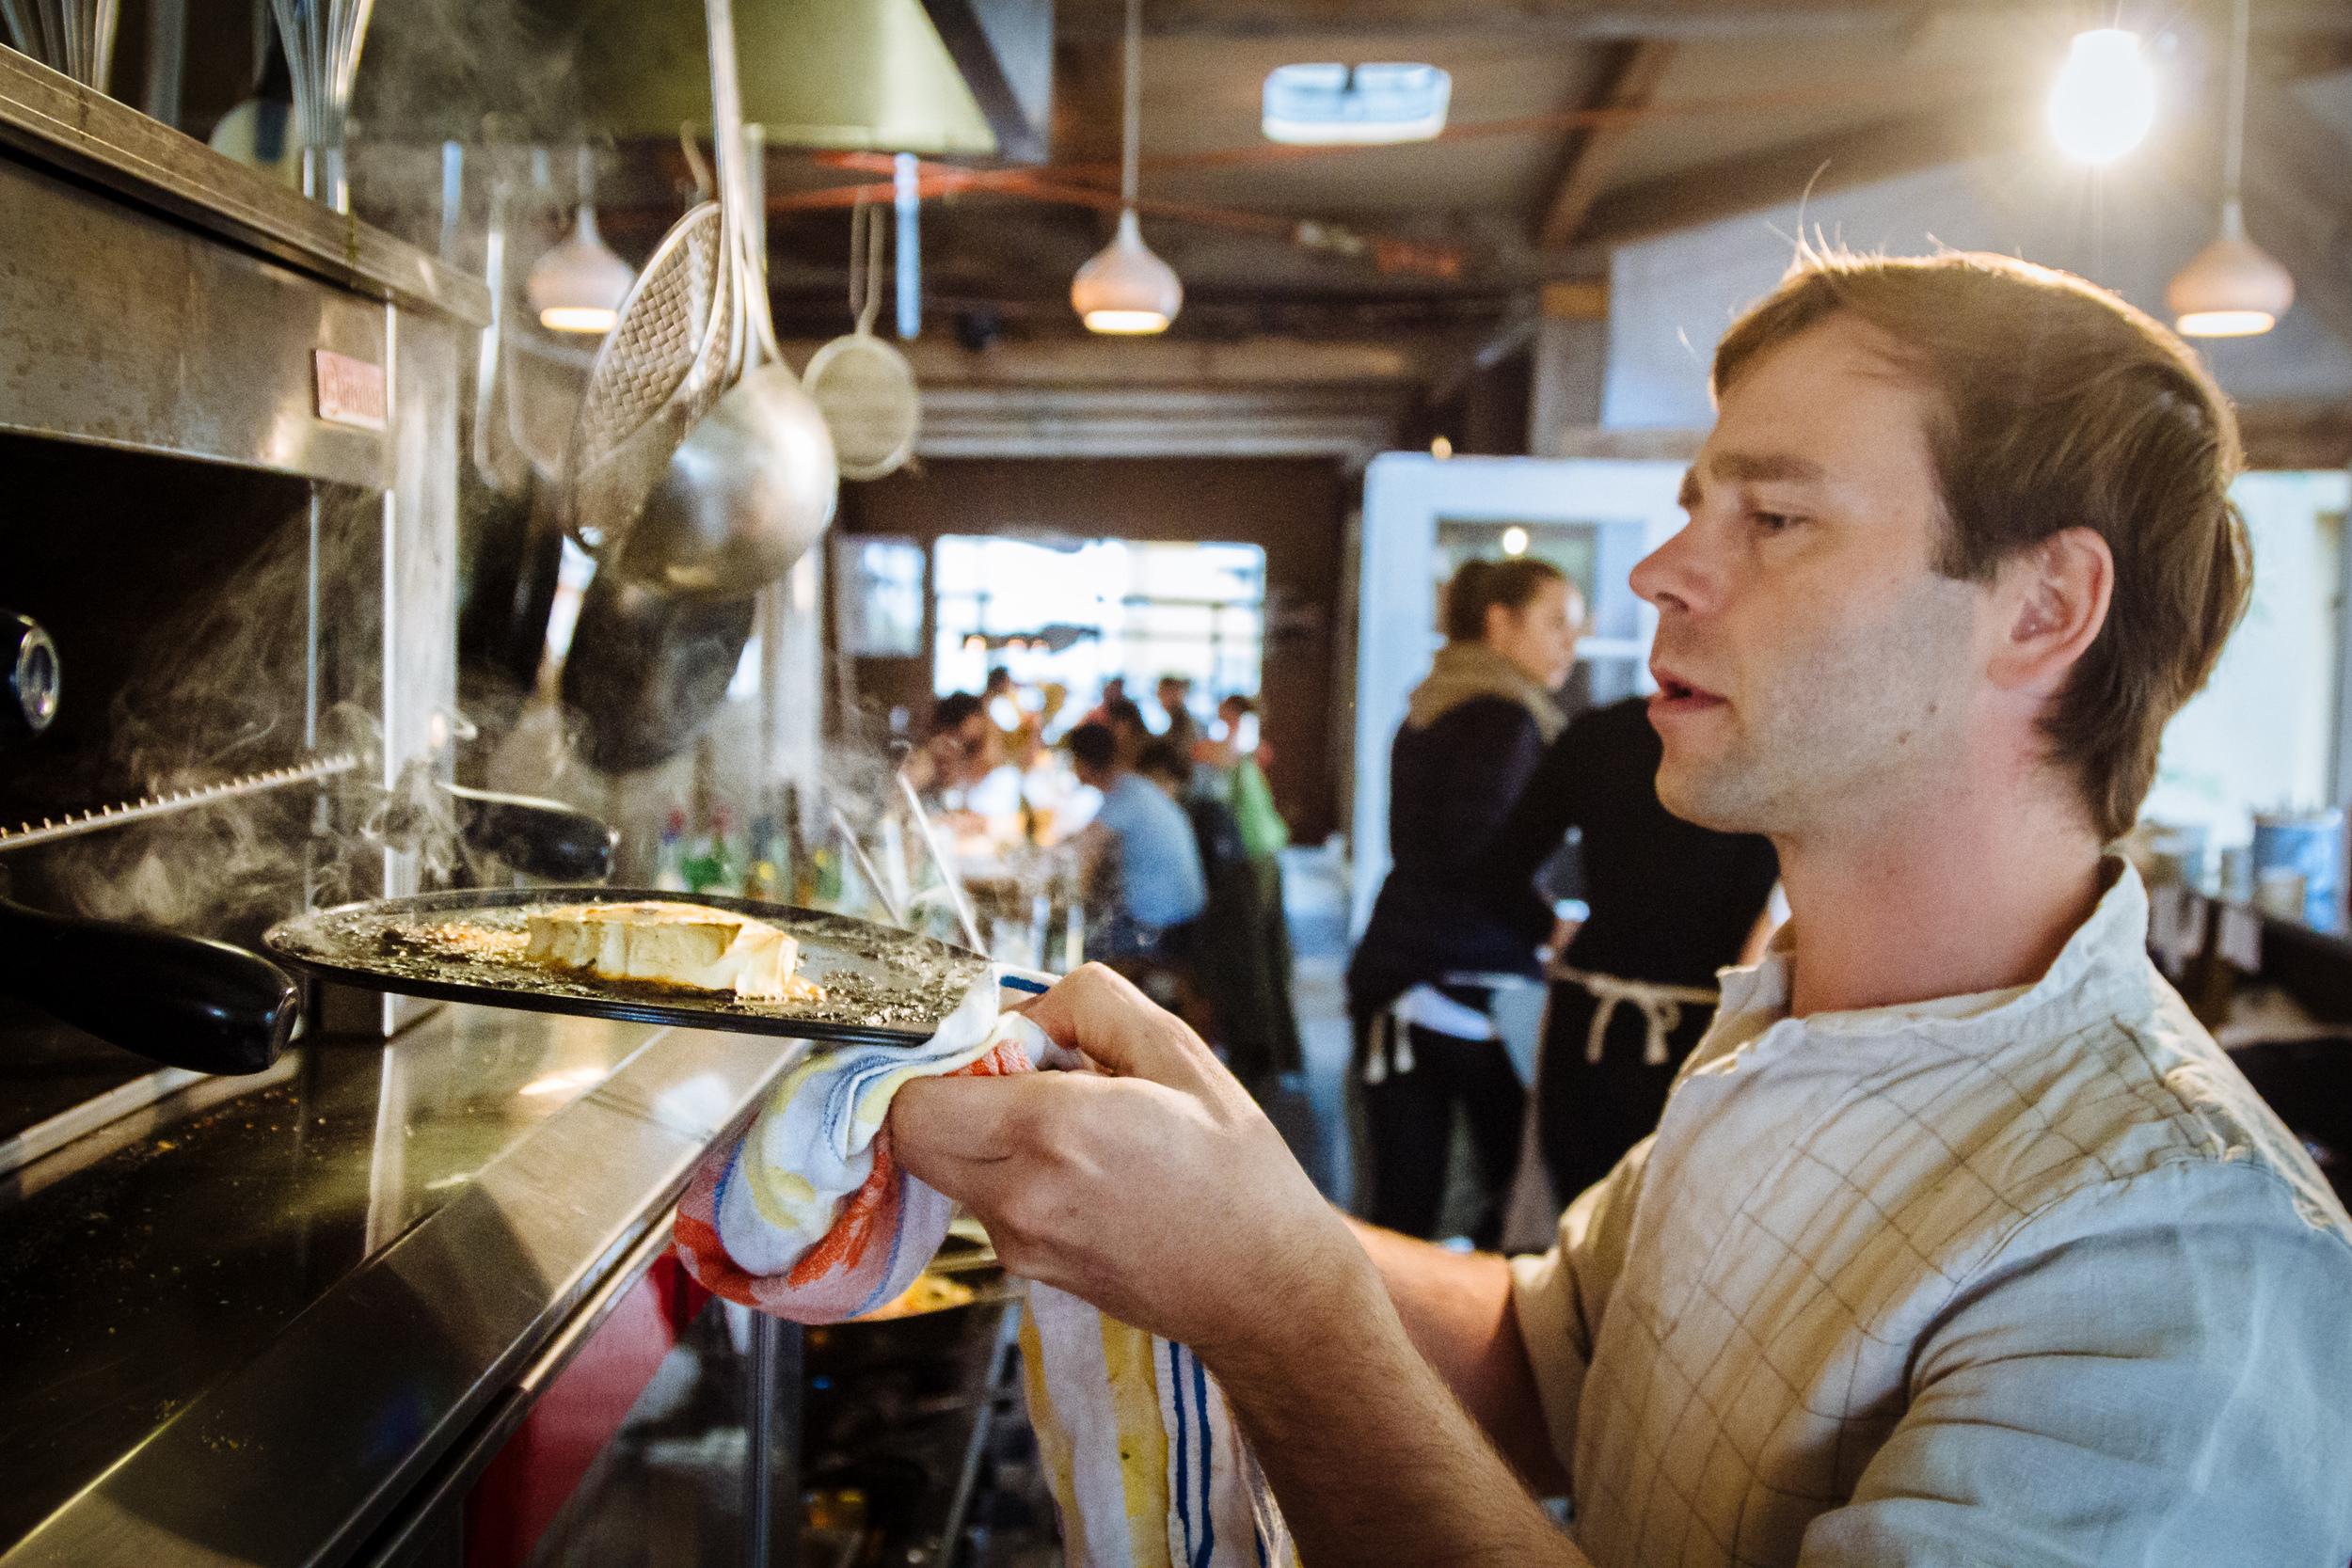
(1139, 862)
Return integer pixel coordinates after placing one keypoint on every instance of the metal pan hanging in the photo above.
(883, 986)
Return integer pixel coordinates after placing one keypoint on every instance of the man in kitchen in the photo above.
(1958, 1240)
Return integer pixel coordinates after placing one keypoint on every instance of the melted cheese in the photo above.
(675, 944)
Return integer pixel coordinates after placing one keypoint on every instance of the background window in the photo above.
(1076, 613)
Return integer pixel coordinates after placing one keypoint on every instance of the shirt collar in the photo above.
(2111, 943)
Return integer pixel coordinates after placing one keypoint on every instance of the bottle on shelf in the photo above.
(715, 866)
(669, 867)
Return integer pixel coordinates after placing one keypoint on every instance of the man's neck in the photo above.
(1980, 892)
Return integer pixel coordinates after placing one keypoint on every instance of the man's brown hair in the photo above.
(2056, 405)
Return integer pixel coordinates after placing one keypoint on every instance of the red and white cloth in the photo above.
(810, 1218)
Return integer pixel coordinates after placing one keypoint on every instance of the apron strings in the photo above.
(1660, 1006)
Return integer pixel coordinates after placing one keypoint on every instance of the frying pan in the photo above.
(883, 986)
(645, 672)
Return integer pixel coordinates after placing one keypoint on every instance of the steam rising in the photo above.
(223, 690)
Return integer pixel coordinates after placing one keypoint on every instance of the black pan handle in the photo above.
(182, 1001)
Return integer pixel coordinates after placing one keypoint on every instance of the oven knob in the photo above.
(30, 661)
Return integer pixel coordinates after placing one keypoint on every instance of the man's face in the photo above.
(1815, 673)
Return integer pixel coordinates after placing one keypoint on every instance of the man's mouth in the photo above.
(1678, 695)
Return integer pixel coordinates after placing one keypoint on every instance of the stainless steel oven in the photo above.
(227, 431)
(285, 1316)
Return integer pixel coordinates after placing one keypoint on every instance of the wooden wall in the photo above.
(1294, 509)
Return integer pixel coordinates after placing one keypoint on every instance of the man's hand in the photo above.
(1153, 1187)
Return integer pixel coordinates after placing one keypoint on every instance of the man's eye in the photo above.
(1774, 522)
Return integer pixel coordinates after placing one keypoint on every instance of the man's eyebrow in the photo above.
(1763, 467)
(1687, 497)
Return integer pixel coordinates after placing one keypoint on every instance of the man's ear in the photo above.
(2054, 598)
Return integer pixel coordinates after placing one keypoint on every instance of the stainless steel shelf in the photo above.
(52, 119)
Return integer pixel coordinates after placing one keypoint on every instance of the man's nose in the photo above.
(1674, 573)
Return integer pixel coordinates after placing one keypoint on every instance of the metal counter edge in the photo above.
(303, 1453)
(51, 118)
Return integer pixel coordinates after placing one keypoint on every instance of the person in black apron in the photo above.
(1421, 982)
(1671, 903)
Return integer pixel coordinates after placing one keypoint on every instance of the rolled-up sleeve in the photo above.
(1558, 1296)
(2155, 1372)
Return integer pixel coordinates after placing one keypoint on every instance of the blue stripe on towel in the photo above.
(1182, 1490)
(726, 1180)
(1208, 1520)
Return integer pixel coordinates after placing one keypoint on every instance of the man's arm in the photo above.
(1457, 1311)
(1157, 1190)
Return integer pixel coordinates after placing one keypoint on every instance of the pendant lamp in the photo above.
(1126, 289)
(2232, 289)
(579, 285)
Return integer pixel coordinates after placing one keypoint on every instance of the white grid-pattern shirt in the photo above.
(2026, 1277)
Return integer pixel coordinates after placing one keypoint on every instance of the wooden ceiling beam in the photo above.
(1885, 150)
(1571, 20)
(1164, 362)
(1627, 82)
(2296, 433)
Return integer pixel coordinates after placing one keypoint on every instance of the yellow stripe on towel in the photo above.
(1127, 1356)
(1053, 1438)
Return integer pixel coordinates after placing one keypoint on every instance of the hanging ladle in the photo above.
(754, 485)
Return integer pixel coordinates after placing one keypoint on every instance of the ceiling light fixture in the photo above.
(579, 285)
(2232, 289)
(1125, 288)
(1333, 105)
(2104, 100)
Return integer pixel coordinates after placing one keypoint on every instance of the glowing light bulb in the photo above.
(1126, 289)
(1515, 541)
(2104, 100)
(579, 285)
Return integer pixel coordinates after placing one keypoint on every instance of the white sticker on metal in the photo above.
(350, 391)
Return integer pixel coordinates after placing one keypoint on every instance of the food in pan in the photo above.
(930, 1292)
(672, 944)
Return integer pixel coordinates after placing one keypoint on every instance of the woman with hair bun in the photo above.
(1418, 987)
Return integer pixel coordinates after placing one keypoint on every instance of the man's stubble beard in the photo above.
(1846, 734)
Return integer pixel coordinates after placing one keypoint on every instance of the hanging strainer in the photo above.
(865, 387)
(658, 371)
(755, 483)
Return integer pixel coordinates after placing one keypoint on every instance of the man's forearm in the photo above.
(1369, 1454)
(1457, 1312)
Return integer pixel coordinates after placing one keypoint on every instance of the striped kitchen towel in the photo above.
(1147, 1466)
(809, 1218)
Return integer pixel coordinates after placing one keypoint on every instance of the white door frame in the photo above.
(1631, 506)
